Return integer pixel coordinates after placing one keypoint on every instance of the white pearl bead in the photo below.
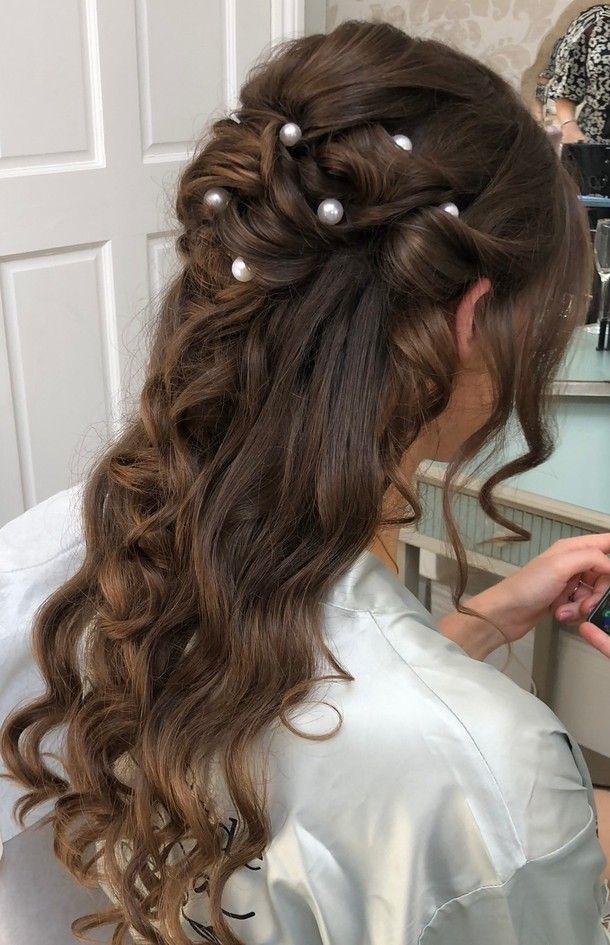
(403, 142)
(450, 208)
(330, 211)
(216, 198)
(290, 133)
(241, 270)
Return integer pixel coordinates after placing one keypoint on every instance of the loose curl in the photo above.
(272, 422)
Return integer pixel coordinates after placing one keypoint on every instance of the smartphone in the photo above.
(600, 615)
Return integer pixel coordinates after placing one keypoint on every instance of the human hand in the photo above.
(572, 133)
(578, 607)
(553, 582)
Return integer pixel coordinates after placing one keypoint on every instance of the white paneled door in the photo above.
(100, 104)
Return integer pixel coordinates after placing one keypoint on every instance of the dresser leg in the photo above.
(544, 665)
(599, 769)
(411, 568)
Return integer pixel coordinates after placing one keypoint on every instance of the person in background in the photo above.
(246, 728)
(539, 105)
(582, 77)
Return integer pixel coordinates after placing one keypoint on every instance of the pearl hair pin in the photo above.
(241, 270)
(216, 198)
(450, 208)
(403, 142)
(290, 134)
(330, 211)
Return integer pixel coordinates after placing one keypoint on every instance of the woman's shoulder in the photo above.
(425, 729)
(42, 533)
(590, 18)
(39, 550)
(521, 745)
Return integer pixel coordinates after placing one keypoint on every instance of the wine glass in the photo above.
(602, 264)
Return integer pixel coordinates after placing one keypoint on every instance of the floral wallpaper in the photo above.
(512, 36)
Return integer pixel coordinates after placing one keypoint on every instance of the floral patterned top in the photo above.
(582, 71)
(544, 77)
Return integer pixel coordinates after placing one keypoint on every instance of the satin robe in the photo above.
(451, 808)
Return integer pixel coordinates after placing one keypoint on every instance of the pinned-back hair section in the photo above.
(311, 167)
(297, 356)
(329, 211)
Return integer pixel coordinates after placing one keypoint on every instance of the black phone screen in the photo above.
(600, 615)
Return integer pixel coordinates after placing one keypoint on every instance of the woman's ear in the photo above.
(465, 316)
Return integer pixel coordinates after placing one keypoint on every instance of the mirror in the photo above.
(568, 85)
(567, 89)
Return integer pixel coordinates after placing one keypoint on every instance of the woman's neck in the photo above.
(394, 504)
(385, 547)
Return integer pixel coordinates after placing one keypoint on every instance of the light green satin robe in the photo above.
(451, 808)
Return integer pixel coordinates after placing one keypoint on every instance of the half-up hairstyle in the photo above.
(273, 420)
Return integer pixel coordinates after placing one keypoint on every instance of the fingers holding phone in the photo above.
(591, 602)
(596, 637)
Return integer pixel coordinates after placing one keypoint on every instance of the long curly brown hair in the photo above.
(272, 422)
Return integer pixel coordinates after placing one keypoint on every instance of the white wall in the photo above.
(505, 34)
